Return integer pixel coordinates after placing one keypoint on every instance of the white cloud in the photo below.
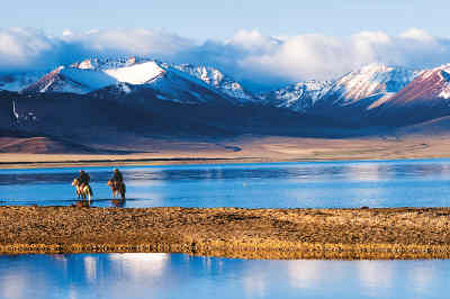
(249, 55)
(305, 56)
(20, 47)
(67, 33)
(316, 56)
(368, 46)
(132, 42)
(418, 35)
(253, 41)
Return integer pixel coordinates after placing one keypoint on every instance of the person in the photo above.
(117, 176)
(84, 178)
(118, 184)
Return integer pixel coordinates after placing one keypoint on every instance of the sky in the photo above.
(204, 19)
(258, 42)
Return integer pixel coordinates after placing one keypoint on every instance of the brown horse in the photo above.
(83, 191)
(117, 188)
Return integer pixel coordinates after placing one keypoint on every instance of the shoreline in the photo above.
(186, 161)
(384, 233)
(118, 162)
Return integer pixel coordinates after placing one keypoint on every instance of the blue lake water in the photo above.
(278, 185)
(182, 276)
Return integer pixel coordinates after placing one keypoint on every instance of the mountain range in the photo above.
(372, 86)
(141, 96)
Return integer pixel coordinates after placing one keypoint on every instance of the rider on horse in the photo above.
(84, 178)
(81, 183)
(117, 177)
(117, 184)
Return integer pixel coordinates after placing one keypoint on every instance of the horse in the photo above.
(117, 188)
(82, 191)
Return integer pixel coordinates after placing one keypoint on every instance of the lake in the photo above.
(279, 185)
(157, 275)
(413, 183)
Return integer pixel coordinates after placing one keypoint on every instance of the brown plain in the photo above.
(238, 150)
(403, 233)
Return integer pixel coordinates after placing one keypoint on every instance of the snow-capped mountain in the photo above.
(92, 74)
(141, 94)
(367, 89)
(427, 97)
(433, 84)
(374, 83)
(218, 80)
(183, 83)
(298, 97)
(71, 80)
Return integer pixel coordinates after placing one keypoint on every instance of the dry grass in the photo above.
(253, 149)
(404, 233)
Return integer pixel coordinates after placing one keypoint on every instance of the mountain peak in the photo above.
(87, 64)
(375, 83)
(102, 63)
(299, 97)
(429, 85)
(216, 79)
(375, 68)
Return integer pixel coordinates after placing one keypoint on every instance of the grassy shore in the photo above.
(404, 233)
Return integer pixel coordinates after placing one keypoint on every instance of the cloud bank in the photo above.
(249, 56)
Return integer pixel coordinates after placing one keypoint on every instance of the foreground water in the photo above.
(182, 276)
(279, 185)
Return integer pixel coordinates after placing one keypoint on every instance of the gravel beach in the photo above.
(401, 233)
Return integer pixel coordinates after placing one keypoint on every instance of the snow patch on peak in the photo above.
(445, 92)
(86, 65)
(219, 81)
(70, 80)
(374, 81)
(426, 74)
(101, 64)
(375, 68)
(136, 74)
(91, 79)
(298, 97)
(444, 67)
(208, 75)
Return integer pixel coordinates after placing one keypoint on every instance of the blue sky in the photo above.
(202, 19)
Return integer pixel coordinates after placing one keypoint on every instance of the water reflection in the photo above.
(181, 276)
(90, 267)
(138, 265)
(279, 185)
(375, 275)
(305, 274)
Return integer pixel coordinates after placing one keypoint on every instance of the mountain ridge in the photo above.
(374, 95)
(379, 82)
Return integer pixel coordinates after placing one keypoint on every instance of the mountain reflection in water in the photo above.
(158, 275)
